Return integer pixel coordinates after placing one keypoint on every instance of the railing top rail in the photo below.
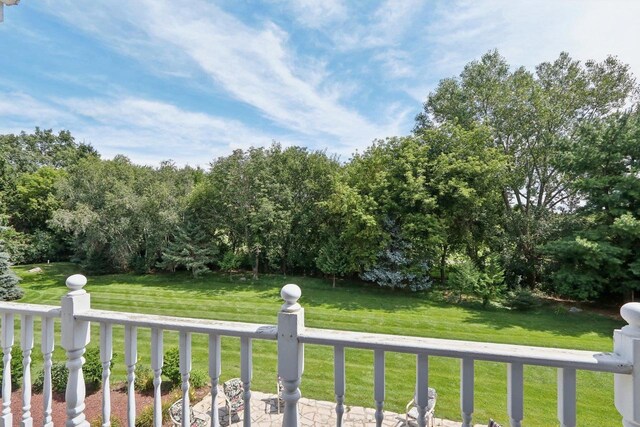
(205, 326)
(508, 353)
(29, 309)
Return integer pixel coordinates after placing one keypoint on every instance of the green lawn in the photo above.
(357, 308)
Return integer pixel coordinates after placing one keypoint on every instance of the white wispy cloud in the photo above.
(317, 13)
(252, 65)
(146, 130)
(527, 33)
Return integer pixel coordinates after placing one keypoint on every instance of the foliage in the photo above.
(145, 417)
(602, 253)
(17, 369)
(9, 289)
(331, 258)
(171, 367)
(92, 371)
(198, 379)
(463, 278)
(531, 117)
(229, 262)
(191, 249)
(522, 299)
(144, 378)
(114, 422)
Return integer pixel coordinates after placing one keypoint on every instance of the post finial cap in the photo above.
(75, 284)
(290, 293)
(630, 312)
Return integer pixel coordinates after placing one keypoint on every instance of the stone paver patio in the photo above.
(313, 413)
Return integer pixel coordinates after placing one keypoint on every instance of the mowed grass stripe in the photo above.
(352, 306)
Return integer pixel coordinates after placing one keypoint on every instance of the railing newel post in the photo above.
(75, 337)
(290, 352)
(626, 343)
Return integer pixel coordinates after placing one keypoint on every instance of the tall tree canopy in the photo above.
(532, 116)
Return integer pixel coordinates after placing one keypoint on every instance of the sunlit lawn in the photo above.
(354, 307)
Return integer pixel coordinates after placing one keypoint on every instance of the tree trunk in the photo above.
(443, 263)
(255, 267)
(334, 280)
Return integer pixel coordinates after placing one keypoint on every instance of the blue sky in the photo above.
(191, 81)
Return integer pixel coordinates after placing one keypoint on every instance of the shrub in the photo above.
(144, 378)
(198, 379)
(92, 371)
(16, 368)
(114, 422)
(171, 368)
(523, 300)
(463, 278)
(145, 418)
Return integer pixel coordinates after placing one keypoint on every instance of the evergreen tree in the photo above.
(331, 259)
(9, 289)
(191, 249)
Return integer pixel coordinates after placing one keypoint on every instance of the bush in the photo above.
(92, 371)
(198, 379)
(523, 300)
(171, 368)
(114, 422)
(145, 417)
(144, 378)
(16, 368)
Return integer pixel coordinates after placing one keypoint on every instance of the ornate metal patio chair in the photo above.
(493, 423)
(197, 419)
(233, 391)
(411, 411)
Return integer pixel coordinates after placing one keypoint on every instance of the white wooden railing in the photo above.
(291, 336)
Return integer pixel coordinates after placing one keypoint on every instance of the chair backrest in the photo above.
(233, 389)
(493, 423)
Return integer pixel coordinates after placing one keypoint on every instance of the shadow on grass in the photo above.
(317, 292)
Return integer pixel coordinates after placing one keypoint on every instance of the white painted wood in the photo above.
(185, 370)
(214, 374)
(31, 309)
(515, 393)
(7, 343)
(378, 385)
(47, 346)
(130, 360)
(626, 342)
(157, 362)
(527, 355)
(168, 323)
(290, 352)
(422, 388)
(339, 380)
(246, 373)
(106, 354)
(75, 337)
(26, 344)
(567, 397)
(466, 390)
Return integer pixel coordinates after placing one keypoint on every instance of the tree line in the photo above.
(511, 178)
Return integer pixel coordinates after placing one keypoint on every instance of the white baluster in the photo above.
(106, 354)
(75, 337)
(515, 393)
(214, 374)
(422, 387)
(157, 362)
(7, 344)
(466, 391)
(185, 369)
(47, 354)
(290, 352)
(246, 372)
(378, 365)
(130, 360)
(339, 382)
(626, 343)
(26, 343)
(567, 397)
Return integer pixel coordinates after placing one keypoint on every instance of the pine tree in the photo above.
(191, 249)
(331, 259)
(9, 289)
